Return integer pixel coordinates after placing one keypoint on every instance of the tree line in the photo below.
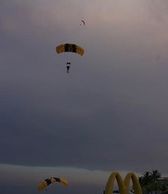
(152, 182)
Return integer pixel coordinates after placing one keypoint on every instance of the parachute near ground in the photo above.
(52, 180)
(68, 47)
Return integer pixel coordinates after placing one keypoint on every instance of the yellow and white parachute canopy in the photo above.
(68, 47)
(52, 180)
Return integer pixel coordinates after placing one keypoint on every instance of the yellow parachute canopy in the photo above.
(69, 48)
(52, 180)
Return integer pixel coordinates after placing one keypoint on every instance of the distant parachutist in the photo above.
(72, 48)
(82, 22)
(68, 66)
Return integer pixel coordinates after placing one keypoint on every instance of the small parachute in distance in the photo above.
(52, 180)
(67, 47)
(83, 22)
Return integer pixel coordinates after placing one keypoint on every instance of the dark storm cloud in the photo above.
(109, 112)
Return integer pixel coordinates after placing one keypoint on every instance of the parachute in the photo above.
(83, 22)
(69, 48)
(52, 180)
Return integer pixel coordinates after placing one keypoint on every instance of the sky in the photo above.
(108, 114)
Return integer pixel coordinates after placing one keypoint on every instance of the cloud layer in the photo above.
(110, 112)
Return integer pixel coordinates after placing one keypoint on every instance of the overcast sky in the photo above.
(110, 112)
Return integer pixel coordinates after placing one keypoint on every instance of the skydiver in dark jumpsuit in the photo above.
(68, 66)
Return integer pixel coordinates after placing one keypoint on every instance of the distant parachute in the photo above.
(83, 22)
(72, 48)
(52, 180)
(69, 48)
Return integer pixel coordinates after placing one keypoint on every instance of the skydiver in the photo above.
(68, 66)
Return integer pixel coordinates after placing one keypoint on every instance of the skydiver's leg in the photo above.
(68, 67)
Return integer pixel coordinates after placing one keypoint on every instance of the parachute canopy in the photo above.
(52, 180)
(69, 48)
(83, 22)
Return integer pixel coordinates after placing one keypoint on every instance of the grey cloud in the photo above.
(109, 112)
